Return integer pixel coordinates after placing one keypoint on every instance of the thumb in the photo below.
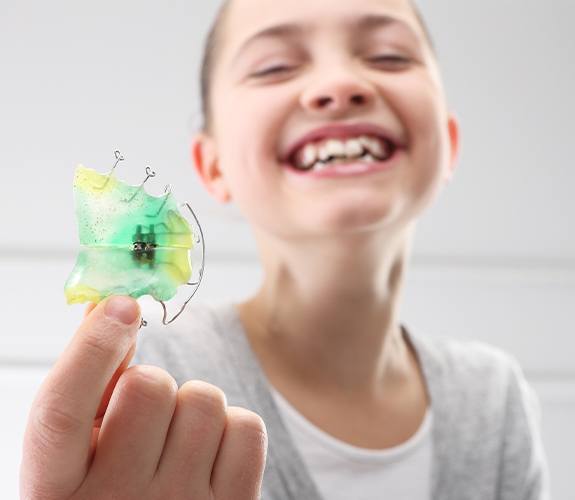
(59, 432)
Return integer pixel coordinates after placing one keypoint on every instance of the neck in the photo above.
(326, 313)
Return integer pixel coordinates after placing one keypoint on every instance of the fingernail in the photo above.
(121, 308)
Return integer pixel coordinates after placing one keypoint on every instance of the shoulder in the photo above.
(477, 376)
(450, 356)
(488, 406)
(470, 367)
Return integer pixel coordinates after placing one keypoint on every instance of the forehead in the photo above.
(246, 18)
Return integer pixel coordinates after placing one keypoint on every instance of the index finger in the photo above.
(58, 436)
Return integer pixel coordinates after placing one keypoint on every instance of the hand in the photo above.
(99, 430)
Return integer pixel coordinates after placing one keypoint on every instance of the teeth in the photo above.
(374, 146)
(335, 148)
(353, 147)
(323, 153)
(366, 158)
(311, 154)
(319, 165)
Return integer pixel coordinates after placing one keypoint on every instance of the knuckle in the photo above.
(206, 398)
(250, 434)
(98, 344)
(52, 423)
(102, 339)
(247, 424)
(148, 383)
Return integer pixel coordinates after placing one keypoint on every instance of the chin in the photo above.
(356, 217)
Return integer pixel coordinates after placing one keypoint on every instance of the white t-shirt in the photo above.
(346, 472)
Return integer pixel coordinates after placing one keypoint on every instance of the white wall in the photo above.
(494, 258)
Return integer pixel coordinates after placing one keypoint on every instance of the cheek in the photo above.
(249, 119)
(422, 107)
(253, 182)
(430, 154)
(418, 101)
(248, 123)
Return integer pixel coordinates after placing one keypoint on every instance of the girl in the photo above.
(326, 123)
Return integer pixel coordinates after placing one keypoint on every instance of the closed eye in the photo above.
(388, 58)
(271, 70)
(282, 68)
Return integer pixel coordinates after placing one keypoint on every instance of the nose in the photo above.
(339, 94)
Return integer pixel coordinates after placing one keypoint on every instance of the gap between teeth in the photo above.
(365, 157)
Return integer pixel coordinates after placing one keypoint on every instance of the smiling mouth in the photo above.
(347, 168)
(329, 153)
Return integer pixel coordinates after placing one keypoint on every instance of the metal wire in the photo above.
(200, 273)
(119, 158)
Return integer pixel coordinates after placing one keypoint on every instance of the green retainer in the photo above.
(132, 243)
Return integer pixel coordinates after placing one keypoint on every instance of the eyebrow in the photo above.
(290, 30)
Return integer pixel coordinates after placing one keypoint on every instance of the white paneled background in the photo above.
(494, 257)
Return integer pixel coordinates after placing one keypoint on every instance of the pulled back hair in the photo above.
(212, 44)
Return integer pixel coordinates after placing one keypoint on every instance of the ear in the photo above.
(205, 159)
(453, 131)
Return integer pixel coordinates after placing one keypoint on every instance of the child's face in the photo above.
(324, 74)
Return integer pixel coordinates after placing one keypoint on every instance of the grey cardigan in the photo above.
(486, 437)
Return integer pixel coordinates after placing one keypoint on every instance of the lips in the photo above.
(343, 131)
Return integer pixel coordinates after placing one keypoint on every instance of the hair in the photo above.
(213, 41)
